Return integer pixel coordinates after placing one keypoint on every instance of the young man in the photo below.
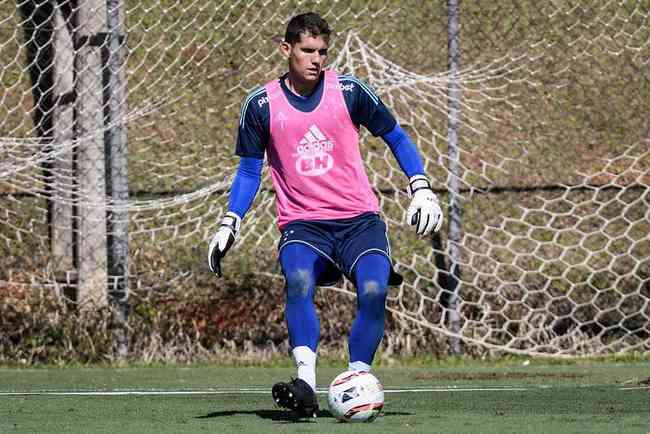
(307, 123)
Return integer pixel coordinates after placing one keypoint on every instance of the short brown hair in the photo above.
(309, 23)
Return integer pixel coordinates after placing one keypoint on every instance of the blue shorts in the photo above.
(342, 242)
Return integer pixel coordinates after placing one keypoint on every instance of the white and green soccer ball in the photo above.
(356, 396)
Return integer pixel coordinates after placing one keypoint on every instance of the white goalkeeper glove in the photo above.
(223, 240)
(424, 211)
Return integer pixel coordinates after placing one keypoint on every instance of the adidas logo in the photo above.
(312, 151)
(314, 142)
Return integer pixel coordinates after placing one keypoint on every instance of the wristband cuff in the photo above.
(232, 221)
(418, 182)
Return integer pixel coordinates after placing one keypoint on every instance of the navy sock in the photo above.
(371, 279)
(301, 265)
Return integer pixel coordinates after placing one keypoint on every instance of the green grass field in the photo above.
(580, 397)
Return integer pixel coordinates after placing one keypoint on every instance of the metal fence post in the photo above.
(453, 91)
(116, 162)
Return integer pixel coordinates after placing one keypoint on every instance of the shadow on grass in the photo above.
(283, 415)
(274, 415)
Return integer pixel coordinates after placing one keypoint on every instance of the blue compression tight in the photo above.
(301, 266)
(371, 279)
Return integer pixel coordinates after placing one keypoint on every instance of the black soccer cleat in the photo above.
(296, 395)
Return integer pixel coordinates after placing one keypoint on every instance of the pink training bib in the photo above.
(314, 158)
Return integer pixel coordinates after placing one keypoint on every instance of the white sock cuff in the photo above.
(305, 360)
(359, 366)
(304, 354)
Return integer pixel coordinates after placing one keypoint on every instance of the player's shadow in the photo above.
(274, 415)
(285, 416)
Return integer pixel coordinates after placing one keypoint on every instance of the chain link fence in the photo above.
(117, 130)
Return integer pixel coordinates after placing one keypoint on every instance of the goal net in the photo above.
(553, 153)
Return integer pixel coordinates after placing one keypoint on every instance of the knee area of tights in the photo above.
(371, 289)
(299, 283)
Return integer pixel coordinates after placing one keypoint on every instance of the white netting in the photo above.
(554, 152)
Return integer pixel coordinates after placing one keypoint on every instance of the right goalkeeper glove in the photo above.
(424, 211)
(223, 240)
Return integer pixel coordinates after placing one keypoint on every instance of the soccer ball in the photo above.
(356, 396)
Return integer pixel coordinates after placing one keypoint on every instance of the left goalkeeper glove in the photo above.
(223, 240)
(424, 211)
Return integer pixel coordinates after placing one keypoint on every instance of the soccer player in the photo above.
(307, 124)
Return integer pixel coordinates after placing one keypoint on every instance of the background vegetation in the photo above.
(555, 182)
